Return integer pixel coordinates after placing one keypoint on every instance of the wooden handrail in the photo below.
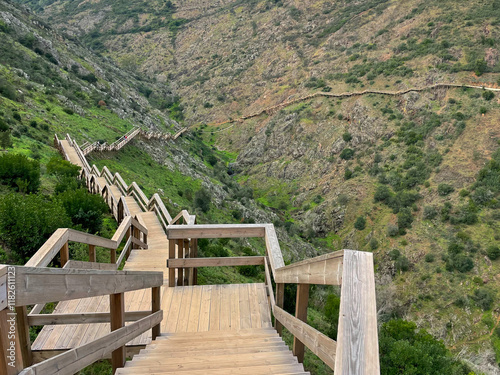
(41, 285)
(82, 318)
(215, 262)
(76, 359)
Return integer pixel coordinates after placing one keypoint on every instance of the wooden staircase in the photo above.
(243, 352)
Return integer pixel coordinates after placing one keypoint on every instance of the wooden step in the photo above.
(251, 370)
(189, 353)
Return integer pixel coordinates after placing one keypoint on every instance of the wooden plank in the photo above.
(204, 320)
(269, 283)
(300, 313)
(82, 318)
(64, 254)
(137, 224)
(323, 270)
(124, 252)
(90, 239)
(254, 306)
(11, 358)
(280, 300)
(3, 287)
(357, 349)
(320, 344)
(77, 264)
(92, 254)
(24, 335)
(216, 262)
(122, 230)
(155, 306)
(117, 312)
(194, 311)
(273, 249)
(74, 360)
(216, 231)
(180, 255)
(183, 320)
(265, 315)
(245, 314)
(173, 313)
(171, 270)
(235, 307)
(225, 307)
(215, 303)
(138, 242)
(49, 249)
(41, 285)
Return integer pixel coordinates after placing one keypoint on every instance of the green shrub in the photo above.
(347, 137)
(62, 168)
(392, 230)
(374, 243)
(444, 189)
(20, 172)
(347, 174)
(360, 223)
(332, 311)
(488, 95)
(382, 194)
(202, 200)
(406, 350)
(493, 252)
(405, 218)
(484, 298)
(430, 212)
(347, 154)
(84, 209)
(429, 258)
(26, 222)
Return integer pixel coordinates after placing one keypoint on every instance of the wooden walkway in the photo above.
(186, 309)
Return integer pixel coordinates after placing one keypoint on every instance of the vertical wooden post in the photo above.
(145, 238)
(301, 313)
(92, 254)
(24, 335)
(117, 311)
(64, 252)
(357, 337)
(187, 254)
(194, 242)
(280, 300)
(127, 236)
(11, 354)
(180, 255)
(156, 306)
(137, 234)
(171, 255)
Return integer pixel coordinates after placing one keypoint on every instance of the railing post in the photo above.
(156, 306)
(11, 357)
(301, 313)
(64, 253)
(24, 335)
(280, 300)
(194, 253)
(117, 311)
(180, 255)
(171, 270)
(92, 254)
(187, 254)
(137, 234)
(127, 236)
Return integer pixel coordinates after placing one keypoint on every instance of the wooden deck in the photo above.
(186, 309)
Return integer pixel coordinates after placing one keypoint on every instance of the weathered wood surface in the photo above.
(320, 344)
(82, 318)
(301, 314)
(357, 349)
(323, 270)
(49, 249)
(273, 248)
(41, 285)
(76, 359)
(215, 262)
(216, 231)
(76, 264)
(3, 287)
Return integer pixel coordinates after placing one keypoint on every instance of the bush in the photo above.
(444, 189)
(202, 200)
(31, 214)
(374, 243)
(430, 212)
(429, 258)
(382, 194)
(404, 350)
(405, 218)
(360, 223)
(392, 230)
(493, 252)
(84, 209)
(347, 137)
(347, 154)
(332, 310)
(62, 168)
(488, 95)
(484, 298)
(347, 174)
(19, 172)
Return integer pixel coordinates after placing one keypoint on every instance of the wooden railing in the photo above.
(356, 350)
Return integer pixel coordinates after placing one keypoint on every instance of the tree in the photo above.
(26, 222)
(62, 168)
(405, 218)
(19, 172)
(406, 350)
(84, 209)
(360, 223)
(493, 252)
(444, 189)
(347, 153)
(332, 311)
(202, 200)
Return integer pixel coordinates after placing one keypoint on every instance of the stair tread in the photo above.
(242, 370)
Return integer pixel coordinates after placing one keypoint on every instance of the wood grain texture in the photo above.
(42, 285)
(357, 349)
(320, 344)
(215, 262)
(117, 313)
(273, 249)
(76, 359)
(82, 318)
(215, 231)
(77, 264)
(49, 249)
(301, 314)
(323, 270)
